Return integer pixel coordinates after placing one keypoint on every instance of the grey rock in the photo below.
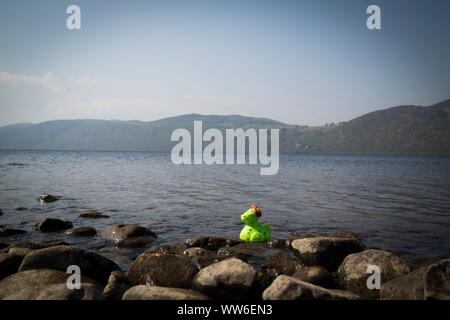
(201, 257)
(168, 248)
(408, 287)
(289, 288)
(92, 264)
(325, 252)
(143, 292)
(129, 235)
(118, 284)
(279, 243)
(211, 243)
(21, 209)
(52, 225)
(352, 273)
(315, 275)
(87, 291)
(301, 235)
(167, 270)
(22, 252)
(45, 197)
(33, 278)
(253, 253)
(82, 231)
(230, 279)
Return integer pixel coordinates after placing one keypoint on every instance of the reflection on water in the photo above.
(401, 204)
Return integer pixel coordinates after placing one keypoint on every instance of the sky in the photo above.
(300, 62)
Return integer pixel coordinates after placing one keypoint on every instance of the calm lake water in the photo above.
(400, 204)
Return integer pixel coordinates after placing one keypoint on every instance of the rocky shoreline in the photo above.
(208, 267)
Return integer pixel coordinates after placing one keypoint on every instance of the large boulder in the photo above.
(167, 270)
(9, 264)
(129, 235)
(353, 276)
(437, 281)
(229, 279)
(279, 263)
(92, 264)
(201, 257)
(118, 284)
(289, 288)
(143, 292)
(52, 225)
(177, 248)
(408, 287)
(315, 275)
(34, 278)
(325, 252)
(87, 291)
(211, 243)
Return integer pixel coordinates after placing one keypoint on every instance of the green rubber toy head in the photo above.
(252, 215)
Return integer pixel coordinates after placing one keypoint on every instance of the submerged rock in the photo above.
(229, 279)
(82, 231)
(129, 235)
(143, 292)
(167, 270)
(118, 284)
(92, 265)
(52, 225)
(352, 273)
(6, 232)
(45, 197)
(92, 214)
(325, 252)
(253, 253)
(1, 212)
(289, 288)
(21, 209)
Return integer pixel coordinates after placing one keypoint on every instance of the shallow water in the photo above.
(400, 204)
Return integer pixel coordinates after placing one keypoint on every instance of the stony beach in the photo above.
(304, 266)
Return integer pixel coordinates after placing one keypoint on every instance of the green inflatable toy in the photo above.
(253, 231)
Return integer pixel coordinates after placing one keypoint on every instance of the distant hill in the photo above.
(398, 130)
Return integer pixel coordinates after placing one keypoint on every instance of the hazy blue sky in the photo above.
(301, 62)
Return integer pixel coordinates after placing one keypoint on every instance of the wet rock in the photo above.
(167, 270)
(6, 232)
(211, 243)
(82, 231)
(253, 253)
(289, 288)
(47, 198)
(34, 246)
(52, 225)
(9, 264)
(92, 265)
(118, 284)
(87, 291)
(92, 214)
(201, 257)
(1, 212)
(4, 245)
(301, 235)
(33, 278)
(19, 251)
(230, 279)
(437, 281)
(279, 243)
(21, 209)
(352, 273)
(142, 292)
(346, 234)
(129, 235)
(279, 263)
(315, 275)
(325, 252)
(168, 248)
(408, 287)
